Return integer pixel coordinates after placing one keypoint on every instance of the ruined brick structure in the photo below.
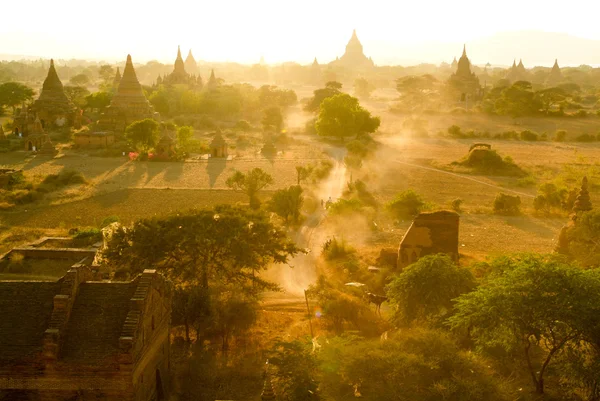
(76, 339)
(430, 233)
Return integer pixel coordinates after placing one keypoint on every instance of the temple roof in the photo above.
(464, 65)
(555, 75)
(354, 56)
(52, 82)
(117, 79)
(218, 140)
(129, 91)
(190, 62)
(179, 66)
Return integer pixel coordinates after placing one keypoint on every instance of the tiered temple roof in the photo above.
(354, 57)
(180, 75)
(117, 79)
(464, 80)
(129, 103)
(53, 106)
(517, 72)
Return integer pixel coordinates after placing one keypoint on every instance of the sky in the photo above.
(281, 30)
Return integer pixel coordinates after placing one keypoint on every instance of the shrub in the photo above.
(322, 170)
(242, 125)
(109, 220)
(581, 113)
(560, 136)
(92, 234)
(507, 204)
(526, 181)
(455, 132)
(406, 204)
(585, 138)
(337, 249)
(344, 206)
(456, 203)
(62, 179)
(528, 136)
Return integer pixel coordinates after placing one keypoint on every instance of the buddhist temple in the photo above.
(180, 76)
(517, 72)
(53, 107)
(354, 58)
(117, 79)
(129, 103)
(212, 81)
(555, 76)
(463, 81)
(218, 146)
(190, 63)
(38, 140)
(316, 75)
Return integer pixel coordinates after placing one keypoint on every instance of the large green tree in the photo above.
(331, 88)
(531, 301)
(225, 246)
(143, 134)
(250, 183)
(342, 116)
(12, 94)
(425, 289)
(286, 203)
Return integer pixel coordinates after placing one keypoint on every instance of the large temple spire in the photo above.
(179, 67)
(52, 81)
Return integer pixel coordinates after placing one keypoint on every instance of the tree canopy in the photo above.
(531, 301)
(143, 134)
(342, 116)
(250, 183)
(12, 94)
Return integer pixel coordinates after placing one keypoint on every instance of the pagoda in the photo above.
(117, 79)
(463, 80)
(316, 75)
(190, 63)
(53, 107)
(179, 76)
(517, 72)
(212, 81)
(354, 58)
(555, 77)
(129, 103)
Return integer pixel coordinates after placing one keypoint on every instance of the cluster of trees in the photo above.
(522, 99)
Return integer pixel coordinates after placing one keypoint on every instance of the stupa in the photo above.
(212, 81)
(129, 103)
(53, 107)
(218, 146)
(190, 63)
(463, 80)
(117, 79)
(180, 76)
(555, 77)
(517, 72)
(354, 58)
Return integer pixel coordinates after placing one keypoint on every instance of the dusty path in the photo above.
(309, 236)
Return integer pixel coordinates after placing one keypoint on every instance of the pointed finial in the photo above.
(514, 62)
(464, 50)
(178, 51)
(51, 62)
(129, 59)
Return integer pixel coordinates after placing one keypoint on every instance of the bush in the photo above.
(529, 136)
(337, 249)
(242, 125)
(109, 220)
(455, 132)
(322, 170)
(406, 204)
(345, 206)
(507, 204)
(456, 203)
(526, 181)
(91, 234)
(62, 179)
(560, 136)
(585, 138)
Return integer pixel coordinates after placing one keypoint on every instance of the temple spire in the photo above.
(464, 53)
(583, 203)
(52, 81)
(179, 66)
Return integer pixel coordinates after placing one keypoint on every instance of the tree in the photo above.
(107, 73)
(332, 88)
(406, 204)
(98, 100)
(303, 173)
(234, 315)
(414, 364)
(362, 88)
(342, 116)
(550, 97)
(184, 135)
(250, 183)
(78, 95)
(286, 203)
(584, 238)
(517, 100)
(425, 289)
(272, 119)
(13, 94)
(271, 96)
(143, 134)
(530, 301)
(206, 248)
(416, 90)
(295, 371)
(80, 80)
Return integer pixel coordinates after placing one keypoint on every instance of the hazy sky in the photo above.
(279, 30)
